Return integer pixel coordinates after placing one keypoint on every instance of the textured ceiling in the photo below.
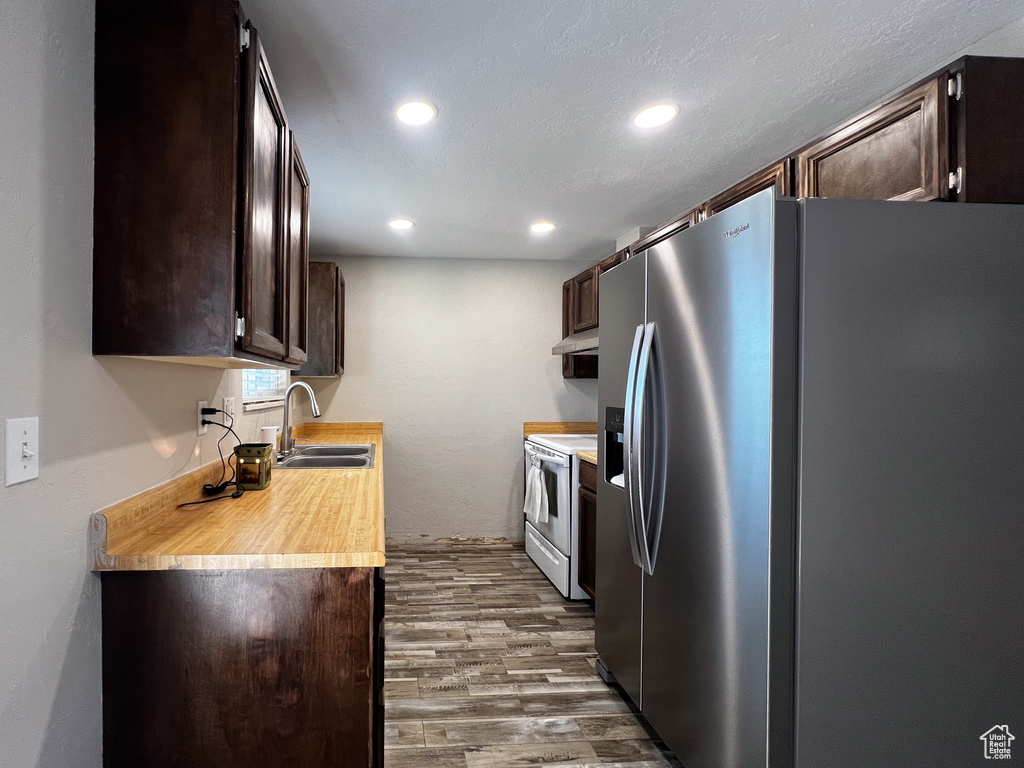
(535, 99)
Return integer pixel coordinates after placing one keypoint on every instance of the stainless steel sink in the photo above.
(333, 450)
(329, 457)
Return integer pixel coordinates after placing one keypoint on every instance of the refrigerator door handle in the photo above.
(652, 469)
(633, 488)
(653, 436)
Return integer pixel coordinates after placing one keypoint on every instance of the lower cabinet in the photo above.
(587, 528)
(261, 667)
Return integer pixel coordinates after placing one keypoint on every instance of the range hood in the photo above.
(582, 343)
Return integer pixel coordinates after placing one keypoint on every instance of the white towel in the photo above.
(535, 506)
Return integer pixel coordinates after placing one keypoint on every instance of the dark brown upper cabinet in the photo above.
(584, 300)
(778, 175)
(897, 151)
(326, 321)
(580, 312)
(574, 366)
(663, 232)
(298, 257)
(265, 201)
(955, 136)
(192, 233)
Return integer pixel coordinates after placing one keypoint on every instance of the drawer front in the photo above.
(588, 476)
(553, 563)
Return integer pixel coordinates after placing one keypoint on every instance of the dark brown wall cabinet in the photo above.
(778, 175)
(956, 136)
(586, 544)
(665, 231)
(248, 668)
(580, 312)
(584, 300)
(201, 198)
(326, 321)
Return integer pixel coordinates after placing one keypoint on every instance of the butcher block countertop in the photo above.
(590, 456)
(307, 518)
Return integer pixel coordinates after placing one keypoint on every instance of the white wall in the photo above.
(453, 356)
(108, 428)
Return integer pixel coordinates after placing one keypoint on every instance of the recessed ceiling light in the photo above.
(541, 227)
(416, 112)
(655, 115)
(401, 223)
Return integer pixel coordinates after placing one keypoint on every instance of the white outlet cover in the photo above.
(22, 450)
(201, 429)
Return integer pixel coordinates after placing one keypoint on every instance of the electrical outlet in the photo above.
(22, 450)
(229, 406)
(200, 427)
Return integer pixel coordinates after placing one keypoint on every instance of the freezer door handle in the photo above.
(650, 449)
(633, 490)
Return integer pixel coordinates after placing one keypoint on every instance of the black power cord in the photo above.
(213, 489)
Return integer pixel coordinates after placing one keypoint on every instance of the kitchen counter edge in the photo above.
(160, 502)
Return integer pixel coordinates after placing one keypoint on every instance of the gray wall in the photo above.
(453, 355)
(108, 428)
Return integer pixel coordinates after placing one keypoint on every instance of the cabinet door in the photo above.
(264, 262)
(778, 175)
(377, 726)
(574, 366)
(340, 325)
(587, 542)
(663, 232)
(298, 256)
(898, 151)
(584, 295)
(326, 320)
(612, 261)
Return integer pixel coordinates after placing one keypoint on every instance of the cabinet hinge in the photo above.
(955, 86)
(239, 326)
(956, 180)
(243, 38)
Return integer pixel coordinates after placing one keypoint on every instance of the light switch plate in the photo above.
(229, 406)
(22, 450)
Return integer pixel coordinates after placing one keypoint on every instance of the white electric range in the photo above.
(552, 545)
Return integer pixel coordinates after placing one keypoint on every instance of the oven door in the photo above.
(557, 469)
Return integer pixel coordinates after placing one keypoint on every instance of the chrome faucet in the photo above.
(287, 443)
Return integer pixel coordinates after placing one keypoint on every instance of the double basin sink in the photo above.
(329, 457)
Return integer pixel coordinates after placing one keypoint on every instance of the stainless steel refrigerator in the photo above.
(811, 484)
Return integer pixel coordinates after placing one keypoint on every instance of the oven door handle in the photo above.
(561, 461)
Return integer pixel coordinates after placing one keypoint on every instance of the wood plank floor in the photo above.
(487, 666)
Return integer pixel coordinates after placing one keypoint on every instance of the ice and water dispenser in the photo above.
(614, 426)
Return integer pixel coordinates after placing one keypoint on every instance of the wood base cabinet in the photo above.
(586, 545)
(263, 667)
(201, 198)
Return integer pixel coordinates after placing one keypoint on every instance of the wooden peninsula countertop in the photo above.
(307, 518)
(590, 456)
